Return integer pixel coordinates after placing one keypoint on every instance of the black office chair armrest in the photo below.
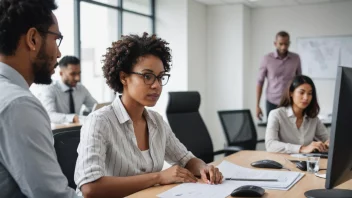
(230, 149)
(234, 148)
(219, 152)
(260, 141)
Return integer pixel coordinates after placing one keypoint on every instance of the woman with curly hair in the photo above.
(123, 146)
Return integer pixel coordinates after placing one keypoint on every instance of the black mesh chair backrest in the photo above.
(239, 128)
(187, 124)
(66, 143)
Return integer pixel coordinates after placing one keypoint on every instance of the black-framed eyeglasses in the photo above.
(149, 78)
(58, 40)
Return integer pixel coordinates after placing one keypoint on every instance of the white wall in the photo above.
(300, 21)
(171, 25)
(182, 23)
(197, 50)
(225, 60)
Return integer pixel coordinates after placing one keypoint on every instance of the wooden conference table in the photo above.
(244, 158)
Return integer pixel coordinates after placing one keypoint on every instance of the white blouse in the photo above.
(283, 136)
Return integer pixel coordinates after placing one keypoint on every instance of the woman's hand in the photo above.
(176, 174)
(211, 175)
(320, 146)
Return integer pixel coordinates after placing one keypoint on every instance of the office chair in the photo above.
(189, 127)
(239, 128)
(66, 143)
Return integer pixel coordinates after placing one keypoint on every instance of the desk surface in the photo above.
(244, 158)
(61, 126)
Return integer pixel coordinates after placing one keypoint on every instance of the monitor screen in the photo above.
(340, 150)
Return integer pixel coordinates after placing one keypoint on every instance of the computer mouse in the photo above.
(302, 165)
(248, 191)
(267, 164)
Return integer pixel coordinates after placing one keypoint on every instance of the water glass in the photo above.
(313, 164)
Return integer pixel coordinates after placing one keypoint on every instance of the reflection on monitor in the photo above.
(340, 150)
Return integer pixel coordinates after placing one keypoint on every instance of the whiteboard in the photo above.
(320, 56)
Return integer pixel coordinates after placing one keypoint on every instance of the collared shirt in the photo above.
(279, 72)
(56, 100)
(28, 162)
(283, 136)
(108, 145)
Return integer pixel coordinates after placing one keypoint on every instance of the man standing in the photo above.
(63, 99)
(279, 67)
(29, 41)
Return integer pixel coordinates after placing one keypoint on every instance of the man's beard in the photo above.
(41, 67)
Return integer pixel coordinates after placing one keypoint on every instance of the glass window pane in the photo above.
(141, 6)
(109, 2)
(97, 34)
(136, 24)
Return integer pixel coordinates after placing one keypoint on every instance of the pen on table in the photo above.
(245, 179)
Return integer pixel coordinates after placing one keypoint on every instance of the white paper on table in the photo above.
(285, 178)
(229, 170)
(199, 190)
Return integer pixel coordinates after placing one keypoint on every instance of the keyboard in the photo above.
(321, 155)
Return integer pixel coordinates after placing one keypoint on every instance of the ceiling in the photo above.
(267, 3)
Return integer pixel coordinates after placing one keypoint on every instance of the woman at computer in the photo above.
(294, 127)
(123, 146)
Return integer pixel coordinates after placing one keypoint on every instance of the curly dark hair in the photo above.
(18, 16)
(313, 108)
(124, 54)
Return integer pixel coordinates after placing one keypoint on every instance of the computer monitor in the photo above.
(340, 150)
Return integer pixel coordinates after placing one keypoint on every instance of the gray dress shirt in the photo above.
(108, 145)
(55, 99)
(283, 136)
(28, 162)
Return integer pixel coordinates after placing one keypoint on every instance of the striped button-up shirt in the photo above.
(56, 100)
(279, 73)
(108, 145)
(283, 136)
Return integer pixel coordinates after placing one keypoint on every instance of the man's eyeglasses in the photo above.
(58, 40)
(149, 78)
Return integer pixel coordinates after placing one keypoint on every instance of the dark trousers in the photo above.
(269, 106)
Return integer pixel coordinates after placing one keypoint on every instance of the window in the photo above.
(140, 6)
(136, 24)
(108, 2)
(97, 34)
(101, 23)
